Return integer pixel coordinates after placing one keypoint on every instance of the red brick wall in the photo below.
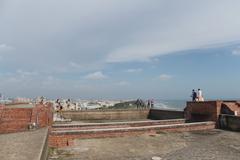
(202, 111)
(14, 119)
(18, 119)
(42, 115)
(208, 111)
(233, 106)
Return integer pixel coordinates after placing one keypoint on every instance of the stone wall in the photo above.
(159, 114)
(106, 115)
(210, 110)
(229, 122)
(128, 114)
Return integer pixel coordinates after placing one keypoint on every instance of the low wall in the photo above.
(42, 115)
(106, 115)
(155, 114)
(203, 111)
(17, 119)
(158, 114)
(66, 137)
(14, 119)
(229, 122)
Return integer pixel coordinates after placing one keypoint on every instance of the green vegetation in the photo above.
(124, 105)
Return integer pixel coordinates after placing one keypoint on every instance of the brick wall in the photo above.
(14, 119)
(209, 110)
(42, 115)
(202, 111)
(229, 122)
(18, 119)
(233, 106)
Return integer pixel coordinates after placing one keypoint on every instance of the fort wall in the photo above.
(160, 114)
(128, 114)
(229, 122)
(17, 119)
(210, 110)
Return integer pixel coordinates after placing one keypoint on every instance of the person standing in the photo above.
(194, 95)
(152, 103)
(200, 95)
(148, 104)
(138, 103)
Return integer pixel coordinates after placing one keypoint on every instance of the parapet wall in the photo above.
(42, 115)
(210, 110)
(14, 119)
(106, 115)
(128, 114)
(159, 114)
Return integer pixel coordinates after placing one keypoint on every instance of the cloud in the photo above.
(123, 83)
(165, 77)
(134, 70)
(5, 47)
(236, 52)
(95, 76)
(75, 65)
(69, 38)
(195, 29)
(23, 73)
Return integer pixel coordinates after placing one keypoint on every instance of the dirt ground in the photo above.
(204, 145)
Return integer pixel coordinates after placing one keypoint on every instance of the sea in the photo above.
(170, 104)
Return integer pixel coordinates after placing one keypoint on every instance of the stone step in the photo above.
(62, 138)
(79, 126)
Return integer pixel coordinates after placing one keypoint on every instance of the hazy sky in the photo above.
(120, 48)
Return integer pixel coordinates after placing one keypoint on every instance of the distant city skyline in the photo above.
(113, 49)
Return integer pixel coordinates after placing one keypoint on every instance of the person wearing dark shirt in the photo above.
(194, 95)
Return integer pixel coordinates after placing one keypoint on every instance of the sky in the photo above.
(120, 49)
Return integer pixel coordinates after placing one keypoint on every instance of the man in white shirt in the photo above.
(200, 96)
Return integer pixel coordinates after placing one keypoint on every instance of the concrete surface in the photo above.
(24, 145)
(204, 145)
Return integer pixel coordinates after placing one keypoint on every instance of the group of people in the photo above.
(141, 104)
(197, 96)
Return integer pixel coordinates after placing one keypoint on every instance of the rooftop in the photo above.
(213, 144)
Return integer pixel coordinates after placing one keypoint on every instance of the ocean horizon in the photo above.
(170, 104)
